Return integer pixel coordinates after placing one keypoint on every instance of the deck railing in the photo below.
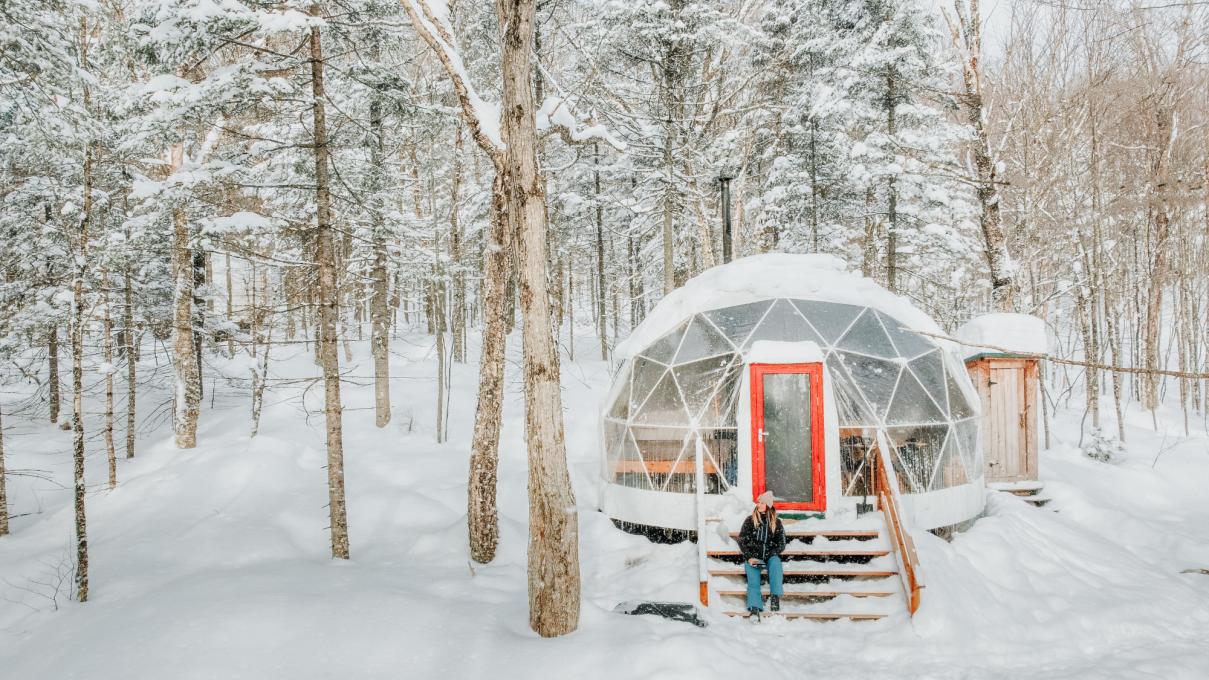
(885, 483)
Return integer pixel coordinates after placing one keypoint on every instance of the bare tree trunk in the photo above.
(52, 351)
(669, 231)
(458, 322)
(891, 192)
(107, 343)
(131, 360)
(967, 38)
(601, 326)
(77, 371)
(325, 260)
(380, 276)
(184, 358)
(482, 519)
(554, 596)
(230, 303)
(3, 491)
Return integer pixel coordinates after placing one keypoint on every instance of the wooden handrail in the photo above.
(890, 503)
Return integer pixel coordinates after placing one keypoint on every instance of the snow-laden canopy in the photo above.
(683, 369)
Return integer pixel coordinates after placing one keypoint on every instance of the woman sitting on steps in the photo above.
(761, 541)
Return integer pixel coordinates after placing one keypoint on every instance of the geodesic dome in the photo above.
(683, 370)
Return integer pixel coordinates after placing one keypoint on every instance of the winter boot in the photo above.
(755, 615)
(774, 603)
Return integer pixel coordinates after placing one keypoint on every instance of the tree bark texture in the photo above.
(554, 596)
(52, 383)
(184, 358)
(325, 260)
(77, 381)
(482, 519)
(380, 276)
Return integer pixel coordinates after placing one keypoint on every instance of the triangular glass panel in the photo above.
(720, 408)
(950, 469)
(620, 408)
(646, 374)
(868, 337)
(700, 380)
(967, 443)
(664, 407)
(629, 469)
(663, 349)
(916, 451)
(736, 322)
(615, 433)
(701, 340)
(929, 369)
(959, 405)
(907, 342)
(830, 319)
(912, 404)
(875, 378)
(851, 409)
(783, 323)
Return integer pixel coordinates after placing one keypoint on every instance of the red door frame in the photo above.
(815, 373)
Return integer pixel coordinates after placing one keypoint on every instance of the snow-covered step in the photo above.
(813, 573)
(839, 555)
(811, 616)
(809, 595)
(808, 535)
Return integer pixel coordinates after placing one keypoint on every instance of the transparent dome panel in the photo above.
(701, 340)
(737, 322)
(916, 451)
(967, 443)
(950, 469)
(700, 380)
(783, 323)
(645, 374)
(912, 404)
(663, 349)
(665, 406)
(875, 378)
(867, 336)
(851, 409)
(828, 318)
(629, 469)
(908, 343)
(929, 370)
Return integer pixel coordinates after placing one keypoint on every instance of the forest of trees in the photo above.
(214, 178)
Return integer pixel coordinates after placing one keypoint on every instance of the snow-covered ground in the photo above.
(213, 563)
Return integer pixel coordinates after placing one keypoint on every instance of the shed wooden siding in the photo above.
(1007, 388)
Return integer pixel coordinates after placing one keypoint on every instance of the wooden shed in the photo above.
(1002, 357)
(1007, 388)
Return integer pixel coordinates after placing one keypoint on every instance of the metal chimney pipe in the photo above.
(727, 240)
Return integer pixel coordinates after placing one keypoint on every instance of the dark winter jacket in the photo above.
(759, 541)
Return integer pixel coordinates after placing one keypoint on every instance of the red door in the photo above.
(787, 434)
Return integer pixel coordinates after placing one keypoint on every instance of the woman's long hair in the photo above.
(772, 516)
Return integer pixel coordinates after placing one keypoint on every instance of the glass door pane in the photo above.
(787, 436)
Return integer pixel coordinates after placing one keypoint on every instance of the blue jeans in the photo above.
(776, 578)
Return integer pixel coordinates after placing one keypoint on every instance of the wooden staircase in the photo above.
(861, 570)
(830, 573)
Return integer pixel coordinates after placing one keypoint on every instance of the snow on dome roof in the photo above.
(773, 275)
(1013, 332)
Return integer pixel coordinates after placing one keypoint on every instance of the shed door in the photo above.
(787, 434)
(1008, 450)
